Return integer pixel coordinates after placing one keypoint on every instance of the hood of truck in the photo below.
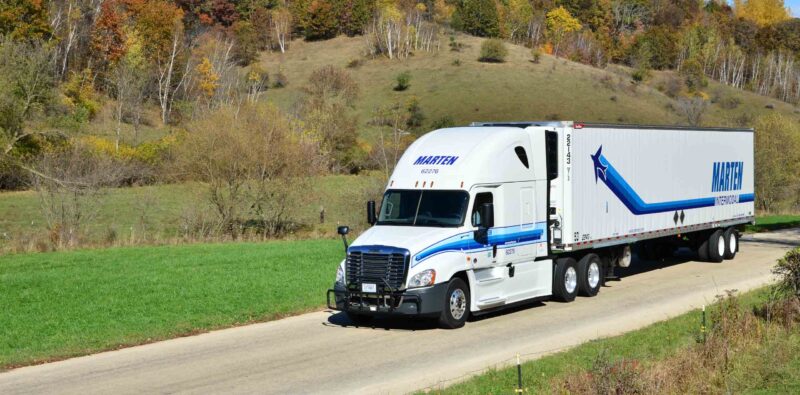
(412, 238)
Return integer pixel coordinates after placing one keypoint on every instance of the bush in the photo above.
(536, 54)
(280, 80)
(457, 62)
(788, 272)
(403, 81)
(355, 63)
(493, 51)
(726, 101)
(443, 122)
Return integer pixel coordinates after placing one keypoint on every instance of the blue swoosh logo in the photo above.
(506, 237)
(604, 171)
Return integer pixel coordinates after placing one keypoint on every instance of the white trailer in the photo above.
(495, 214)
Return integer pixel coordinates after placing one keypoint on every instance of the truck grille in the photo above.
(386, 270)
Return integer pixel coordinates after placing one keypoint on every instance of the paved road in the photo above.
(317, 353)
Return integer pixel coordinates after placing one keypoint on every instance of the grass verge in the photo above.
(761, 358)
(60, 305)
(767, 223)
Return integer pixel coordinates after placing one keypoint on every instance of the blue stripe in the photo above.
(464, 242)
(636, 205)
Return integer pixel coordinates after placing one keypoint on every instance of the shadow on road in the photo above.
(339, 319)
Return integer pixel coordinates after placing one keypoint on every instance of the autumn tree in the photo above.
(246, 49)
(762, 12)
(777, 157)
(559, 23)
(354, 15)
(518, 17)
(24, 19)
(129, 78)
(322, 23)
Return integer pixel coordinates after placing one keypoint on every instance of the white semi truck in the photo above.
(482, 217)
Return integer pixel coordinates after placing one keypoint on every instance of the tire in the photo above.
(359, 319)
(731, 243)
(716, 246)
(565, 280)
(455, 306)
(702, 249)
(590, 275)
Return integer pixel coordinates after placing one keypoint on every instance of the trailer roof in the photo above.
(526, 124)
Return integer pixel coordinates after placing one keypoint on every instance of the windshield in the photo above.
(423, 208)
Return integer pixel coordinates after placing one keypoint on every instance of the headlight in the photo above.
(422, 279)
(340, 275)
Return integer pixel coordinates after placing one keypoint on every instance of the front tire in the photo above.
(590, 273)
(455, 310)
(565, 280)
(731, 243)
(716, 246)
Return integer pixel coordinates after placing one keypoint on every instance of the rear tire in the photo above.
(455, 306)
(565, 280)
(590, 274)
(716, 246)
(702, 250)
(731, 243)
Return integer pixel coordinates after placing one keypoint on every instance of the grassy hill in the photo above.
(457, 85)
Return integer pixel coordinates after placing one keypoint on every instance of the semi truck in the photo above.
(479, 218)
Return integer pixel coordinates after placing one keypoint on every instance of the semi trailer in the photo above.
(483, 217)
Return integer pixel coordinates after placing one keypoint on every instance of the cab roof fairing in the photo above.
(485, 155)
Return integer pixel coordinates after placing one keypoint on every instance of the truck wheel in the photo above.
(590, 271)
(716, 246)
(702, 250)
(565, 280)
(731, 243)
(456, 305)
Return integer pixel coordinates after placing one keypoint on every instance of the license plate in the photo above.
(368, 288)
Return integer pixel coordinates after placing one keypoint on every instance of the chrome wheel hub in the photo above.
(458, 304)
(732, 244)
(721, 245)
(570, 280)
(593, 275)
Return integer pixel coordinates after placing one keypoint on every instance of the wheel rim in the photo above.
(721, 245)
(570, 280)
(732, 244)
(594, 275)
(458, 304)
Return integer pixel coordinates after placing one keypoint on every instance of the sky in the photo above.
(795, 6)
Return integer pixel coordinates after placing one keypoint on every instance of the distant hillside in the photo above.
(456, 85)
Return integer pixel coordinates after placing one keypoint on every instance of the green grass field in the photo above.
(774, 222)
(58, 305)
(645, 346)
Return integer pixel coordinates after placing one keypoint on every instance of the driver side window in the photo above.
(480, 199)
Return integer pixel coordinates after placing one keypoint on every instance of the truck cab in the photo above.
(463, 227)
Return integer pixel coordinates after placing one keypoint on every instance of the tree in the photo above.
(477, 17)
(777, 157)
(328, 97)
(559, 23)
(24, 19)
(692, 108)
(518, 17)
(246, 49)
(129, 78)
(322, 23)
(762, 12)
(108, 38)
(281, 21)
(354, 15)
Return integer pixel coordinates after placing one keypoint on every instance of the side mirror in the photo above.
(371, 217)
(486, 221)
(486, 211)
(343, 231)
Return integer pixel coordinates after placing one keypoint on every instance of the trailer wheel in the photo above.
(565, 280)
(455, 309)
(702, 249)
(716, 246)
(731, 243)
(590, 273)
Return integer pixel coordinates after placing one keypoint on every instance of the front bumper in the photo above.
(427, 301)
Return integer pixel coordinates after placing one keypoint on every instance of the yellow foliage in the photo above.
(443, 11)
(208, 78)
(762, 12)
(561, 21)
(149, 152)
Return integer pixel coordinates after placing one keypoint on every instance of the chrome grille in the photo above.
(386, 270)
